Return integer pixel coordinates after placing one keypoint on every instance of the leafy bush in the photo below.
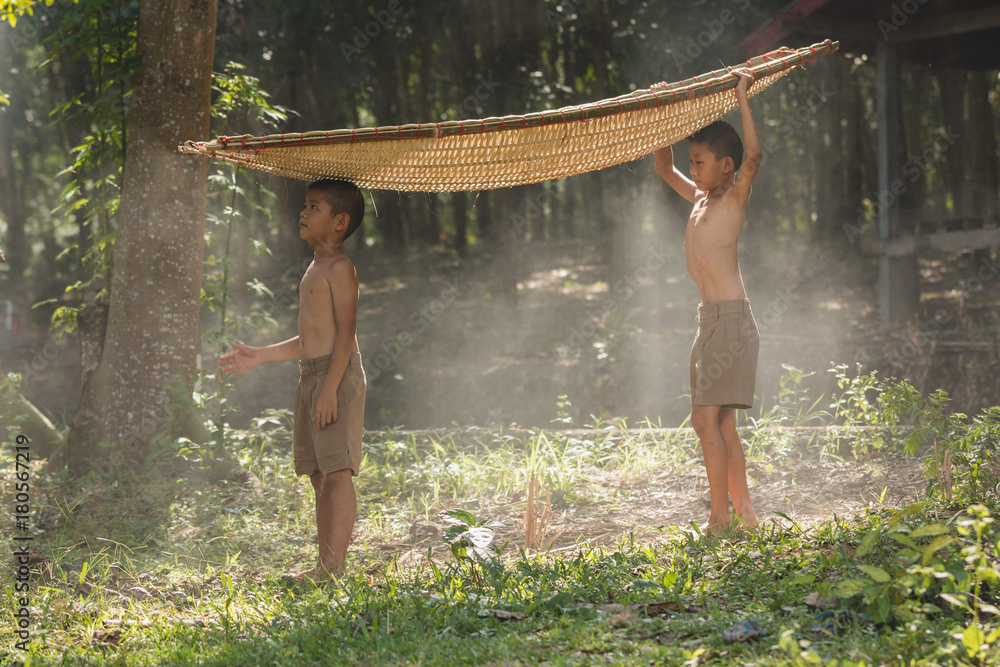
(959, 454)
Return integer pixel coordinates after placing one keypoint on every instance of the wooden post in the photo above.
(899, 282)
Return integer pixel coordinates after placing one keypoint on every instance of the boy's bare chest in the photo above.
(314, 287)
(711, 223)
(704, 222)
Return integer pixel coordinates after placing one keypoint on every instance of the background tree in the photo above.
(72, 69)
(151, 341)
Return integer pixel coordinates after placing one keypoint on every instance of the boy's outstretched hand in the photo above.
(241, 359)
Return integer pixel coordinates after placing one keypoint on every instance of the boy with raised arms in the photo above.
(724, 355)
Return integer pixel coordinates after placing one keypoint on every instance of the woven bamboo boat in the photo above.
(491, 153)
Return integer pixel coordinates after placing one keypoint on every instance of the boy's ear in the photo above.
(728, 164)
(343, 220)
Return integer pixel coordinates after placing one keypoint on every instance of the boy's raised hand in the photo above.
(241, 359)
(752, 153)
(746, 78)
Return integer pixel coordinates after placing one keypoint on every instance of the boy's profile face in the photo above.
(317, 221)
(708, 171)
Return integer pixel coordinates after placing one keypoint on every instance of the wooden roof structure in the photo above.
(943, 33)
(959, 34)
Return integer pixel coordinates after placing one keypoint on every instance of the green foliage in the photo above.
(953, 446)
(102, 34)
(793, 407)
(911, 568)
(10, 10)
(467, 537)
(239, 99)
(207, 568)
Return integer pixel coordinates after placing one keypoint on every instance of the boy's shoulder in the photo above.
(341, 269)
(338, 268)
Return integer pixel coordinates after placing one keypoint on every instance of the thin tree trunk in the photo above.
(388, 203)
(953, 100)
(460, 213)
(850, 109)
(984, 148)
(912, 201)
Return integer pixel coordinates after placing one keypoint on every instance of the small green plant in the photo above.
(985, 575)
(467, 537)
(953, 446)
(793, 407)
(562, 411)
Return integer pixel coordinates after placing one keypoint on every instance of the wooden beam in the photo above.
(916, 28)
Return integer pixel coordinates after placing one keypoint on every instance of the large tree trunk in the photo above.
(12, 191)
(150, 347)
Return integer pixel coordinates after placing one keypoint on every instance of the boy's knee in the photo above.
(704, 418)
(335, 478)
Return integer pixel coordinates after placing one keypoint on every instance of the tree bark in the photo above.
(149, 354)
(12, 191)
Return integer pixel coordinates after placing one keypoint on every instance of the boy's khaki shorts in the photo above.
(338, 445)
(724, 355)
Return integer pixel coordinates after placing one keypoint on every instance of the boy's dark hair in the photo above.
(343, 197)
(722, 140)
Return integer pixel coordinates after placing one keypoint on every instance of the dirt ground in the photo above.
(806, 493)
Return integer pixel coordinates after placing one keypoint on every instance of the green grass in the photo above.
(174, 569)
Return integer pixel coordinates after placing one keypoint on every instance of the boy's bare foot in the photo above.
(714, 526)
(745, 520)
(316, 573)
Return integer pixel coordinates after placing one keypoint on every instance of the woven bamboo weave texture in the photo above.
(512, 150)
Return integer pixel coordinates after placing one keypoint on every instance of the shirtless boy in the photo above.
(330, 399)
(724, 356)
